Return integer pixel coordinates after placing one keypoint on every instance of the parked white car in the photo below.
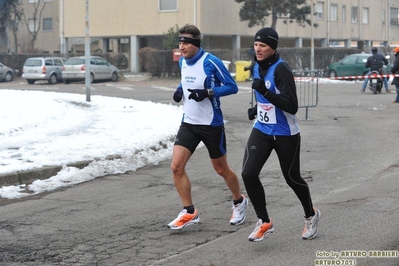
(6, 73)
(100, 69)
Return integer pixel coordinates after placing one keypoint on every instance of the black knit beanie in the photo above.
(268, 36)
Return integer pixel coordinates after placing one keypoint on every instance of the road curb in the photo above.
(29, 176)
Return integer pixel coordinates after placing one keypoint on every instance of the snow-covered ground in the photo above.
(47, 128)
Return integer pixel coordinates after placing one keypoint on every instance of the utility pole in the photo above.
(195, 13)
(311, 38)
(62, 41)
(87, 53)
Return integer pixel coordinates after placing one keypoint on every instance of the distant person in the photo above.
(395, 70)
(376, 62)
(276, 128)
(204, 79)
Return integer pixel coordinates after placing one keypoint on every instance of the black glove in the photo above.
(178, 95)
(198, 95)
(252, 112)
(259, 86)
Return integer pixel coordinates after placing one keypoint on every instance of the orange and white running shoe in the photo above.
(261, 230)
(184, 219)
(310, 229)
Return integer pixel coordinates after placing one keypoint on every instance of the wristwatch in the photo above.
(210, 92)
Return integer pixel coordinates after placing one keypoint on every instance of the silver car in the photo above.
(100, 69)
(43, 68)
(6, 73)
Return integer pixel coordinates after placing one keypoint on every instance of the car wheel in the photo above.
(91, 78)
(9, 77)
(332, 74)
(114, 77)
(31, 81)
(66, 81)
(53, 79)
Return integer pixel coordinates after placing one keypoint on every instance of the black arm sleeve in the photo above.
(367, 65)
(384, 60)
(287, 100)
(395, 66)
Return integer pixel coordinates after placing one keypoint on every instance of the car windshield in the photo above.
(33, 62)
(75, 61)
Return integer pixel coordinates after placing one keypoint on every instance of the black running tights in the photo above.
(257, 151)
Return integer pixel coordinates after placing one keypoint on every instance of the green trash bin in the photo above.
(241, 74)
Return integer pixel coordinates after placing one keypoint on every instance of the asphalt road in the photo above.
(349, 157)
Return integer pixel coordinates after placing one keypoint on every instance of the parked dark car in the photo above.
(352, 65)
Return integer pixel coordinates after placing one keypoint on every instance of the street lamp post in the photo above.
(311, 38)
(195, 13)
(87, 53)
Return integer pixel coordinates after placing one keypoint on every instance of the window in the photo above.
(49, 62)
(58, 62)
(349, 60)
(354, 14)
(101, 62)
(319, 10)
(47, 24)
(167, 5)
(33, 1)
(362, 59)
(32, 25)
(365, 15)
(334, 12)
(394, 16)
(33, 62)
(343, 13)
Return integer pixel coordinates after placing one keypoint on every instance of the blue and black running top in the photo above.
(205, 71)
(276, 111)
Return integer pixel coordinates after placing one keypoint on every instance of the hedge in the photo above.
(159, 63)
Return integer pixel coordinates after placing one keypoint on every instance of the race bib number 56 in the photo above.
(266, 113)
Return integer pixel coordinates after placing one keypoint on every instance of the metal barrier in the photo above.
(307, 89)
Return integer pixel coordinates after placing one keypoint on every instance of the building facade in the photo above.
(125, 26)
(41, 17)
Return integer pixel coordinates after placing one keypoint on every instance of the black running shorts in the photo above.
(214, 138)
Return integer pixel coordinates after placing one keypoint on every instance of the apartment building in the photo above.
(125, 26)
(45, 23)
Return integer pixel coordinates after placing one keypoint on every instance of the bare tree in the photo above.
(256, 12)
(38, 7)
(10, 16)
